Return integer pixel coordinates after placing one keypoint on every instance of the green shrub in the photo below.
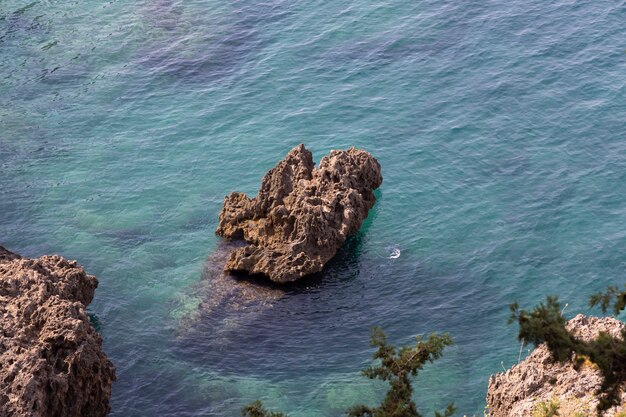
(611, 294)
(546, 409)
(546, 324)
(256, 409)
(397, 367)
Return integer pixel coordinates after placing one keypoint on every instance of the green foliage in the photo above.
(397, 367)
(610, 355)
(256, 409)
(450, 410)
(546, 409)
(611, 294)
(546, 324)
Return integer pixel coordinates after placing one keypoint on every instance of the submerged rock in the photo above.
(230, 295)
(51, 358)
(226, 301)
(301, 215)
(538, 379)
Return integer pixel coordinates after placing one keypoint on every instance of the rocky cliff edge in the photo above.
(51, 358)
(538, 380)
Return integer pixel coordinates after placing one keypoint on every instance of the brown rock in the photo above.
(51, 359)
(538, 378)
(301, 215)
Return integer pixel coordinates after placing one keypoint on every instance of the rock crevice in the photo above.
(301, 215)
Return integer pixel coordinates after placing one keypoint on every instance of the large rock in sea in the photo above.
(301, 215)
(51, 358)
(520, 391)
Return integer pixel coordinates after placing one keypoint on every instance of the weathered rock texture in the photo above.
(518, 391)
(51, 359)
(301, 215)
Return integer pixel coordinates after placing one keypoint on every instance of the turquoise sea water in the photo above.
(500, 127)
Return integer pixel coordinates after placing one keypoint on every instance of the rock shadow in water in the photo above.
(242, 322)
(227, 298)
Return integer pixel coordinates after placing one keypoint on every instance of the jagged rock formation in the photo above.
(538, 379)
(301, 215)
(51, 359)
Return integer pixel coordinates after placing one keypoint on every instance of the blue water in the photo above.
(500, 127)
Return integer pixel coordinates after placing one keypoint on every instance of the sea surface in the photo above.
(500, 127)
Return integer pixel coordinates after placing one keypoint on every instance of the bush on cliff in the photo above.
(610, 295)
(546, 324)
(397, 367)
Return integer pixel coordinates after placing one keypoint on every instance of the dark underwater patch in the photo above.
(201, 51)
(243, 319)
(21, 22)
